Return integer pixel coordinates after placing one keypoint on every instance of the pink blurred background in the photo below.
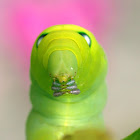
(115, 25)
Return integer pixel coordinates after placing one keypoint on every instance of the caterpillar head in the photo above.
(69, 57)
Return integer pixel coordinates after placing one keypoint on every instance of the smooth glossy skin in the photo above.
(63, 57)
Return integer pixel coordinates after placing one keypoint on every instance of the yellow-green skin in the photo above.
(53, 117)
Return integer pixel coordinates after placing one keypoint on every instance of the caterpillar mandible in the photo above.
(68, 90)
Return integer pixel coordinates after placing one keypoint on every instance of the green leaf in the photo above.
(134, 136)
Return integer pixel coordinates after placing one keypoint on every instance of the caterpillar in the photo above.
(68, 90)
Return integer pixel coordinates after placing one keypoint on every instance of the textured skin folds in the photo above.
(64, 54)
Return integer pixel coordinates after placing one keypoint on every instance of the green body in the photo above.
(64, 54)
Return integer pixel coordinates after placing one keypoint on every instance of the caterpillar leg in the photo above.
(65, 88)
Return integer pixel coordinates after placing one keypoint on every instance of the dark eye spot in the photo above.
(87, 38)
(40, 39)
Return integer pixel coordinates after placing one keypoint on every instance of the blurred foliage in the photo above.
(92, 134)
(134, 136)
(88, 134)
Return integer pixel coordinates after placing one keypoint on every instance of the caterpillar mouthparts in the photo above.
(63, 88)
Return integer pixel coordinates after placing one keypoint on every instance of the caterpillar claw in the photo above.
(56, 94)
(56, 88)
(70, 82)
(76, 91)
(72, 87)
(55, 83)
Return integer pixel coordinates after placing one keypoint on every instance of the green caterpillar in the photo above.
(68, 90)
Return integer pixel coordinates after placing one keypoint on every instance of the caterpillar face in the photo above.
(66, 60)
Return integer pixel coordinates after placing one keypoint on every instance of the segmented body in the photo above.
(68, 90)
